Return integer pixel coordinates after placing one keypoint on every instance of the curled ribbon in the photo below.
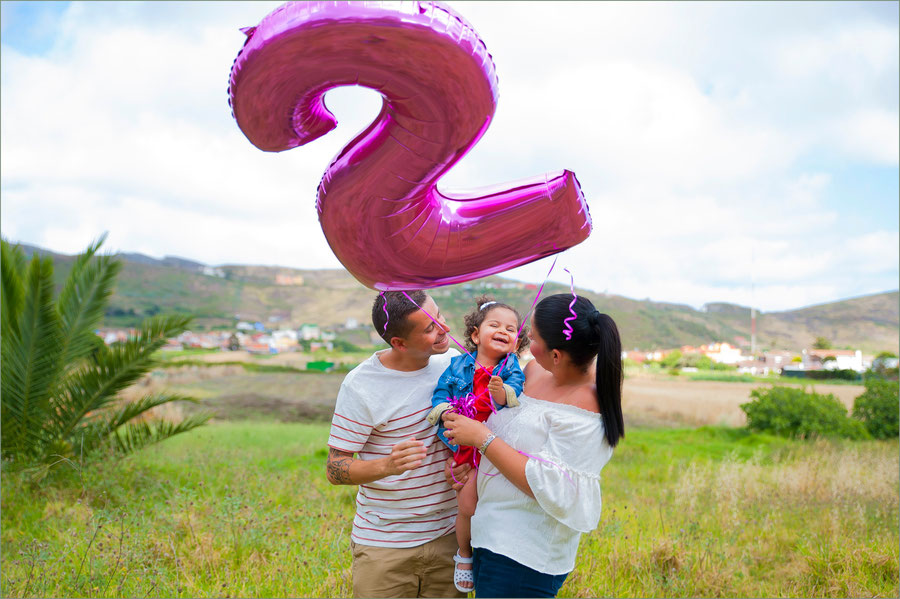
(387, 317)
(567, 330)
(531, 309)
(557, 466)
(468, 353)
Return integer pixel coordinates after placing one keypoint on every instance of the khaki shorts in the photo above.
(423, 571)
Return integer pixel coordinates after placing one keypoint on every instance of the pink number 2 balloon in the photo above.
(378, 201)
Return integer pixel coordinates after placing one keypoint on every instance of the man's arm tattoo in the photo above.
(339, 466)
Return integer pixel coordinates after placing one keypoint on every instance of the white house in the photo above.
(723, 353)
(211, 271)
(844, 359)
(309, 331)
(284, 338)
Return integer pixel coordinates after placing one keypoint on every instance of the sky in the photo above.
(729, 152)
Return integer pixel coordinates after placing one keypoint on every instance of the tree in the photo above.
(879, 409)
(821, 343)
(59, 381)
(672, 359)
(234, 343)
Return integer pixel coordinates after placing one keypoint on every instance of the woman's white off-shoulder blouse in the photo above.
(543, 533)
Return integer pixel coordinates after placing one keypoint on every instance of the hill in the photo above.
(290, 297)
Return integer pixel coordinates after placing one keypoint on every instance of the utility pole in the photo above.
(753, 331)
(752, 303)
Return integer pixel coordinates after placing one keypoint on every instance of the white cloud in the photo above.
(696, 131)
(873, 135)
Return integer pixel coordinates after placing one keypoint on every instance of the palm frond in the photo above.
(30, 362)
(12, 289)
(138, 407)
(83, 300)
(95, 386)
(137, 435)
(59, 382)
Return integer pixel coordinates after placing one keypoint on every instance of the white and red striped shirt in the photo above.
(377, 408)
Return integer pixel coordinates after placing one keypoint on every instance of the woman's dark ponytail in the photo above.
(609, 375)
(594, 335)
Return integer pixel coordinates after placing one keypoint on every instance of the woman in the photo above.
(548, 453)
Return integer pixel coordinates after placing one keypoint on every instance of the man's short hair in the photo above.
(398, 310)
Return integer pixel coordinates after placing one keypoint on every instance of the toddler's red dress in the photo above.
(484, 407)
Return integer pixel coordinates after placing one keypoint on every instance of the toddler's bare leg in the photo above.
(467, 498)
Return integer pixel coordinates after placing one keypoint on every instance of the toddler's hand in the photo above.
(498, 393)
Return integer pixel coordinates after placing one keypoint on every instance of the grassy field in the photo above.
(242, 509)
(237, 386)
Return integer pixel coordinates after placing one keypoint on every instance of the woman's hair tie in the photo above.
(485, 305)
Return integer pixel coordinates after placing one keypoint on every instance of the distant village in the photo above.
(763, 363)
(252, 337)
(258, 338)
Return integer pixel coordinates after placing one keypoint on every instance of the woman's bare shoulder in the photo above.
(586, 399)
(534, 371)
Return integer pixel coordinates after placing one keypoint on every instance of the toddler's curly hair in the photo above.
(473, 320)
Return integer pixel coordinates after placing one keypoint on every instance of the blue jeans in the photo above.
(498, 576)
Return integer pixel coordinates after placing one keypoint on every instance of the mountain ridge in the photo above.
(331, 297)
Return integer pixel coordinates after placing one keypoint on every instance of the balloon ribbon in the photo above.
(567, 330)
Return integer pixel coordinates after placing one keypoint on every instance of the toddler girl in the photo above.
(495, 381)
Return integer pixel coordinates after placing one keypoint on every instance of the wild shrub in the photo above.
(844, 374)
(672, 359)
(878, 408)
(798, 414)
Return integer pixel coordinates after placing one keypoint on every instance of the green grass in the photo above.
(244, 509)
(732, 376)
(248, 366)
(181, 353)
(727, 377)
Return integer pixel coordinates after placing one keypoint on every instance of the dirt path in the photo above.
(657, 401)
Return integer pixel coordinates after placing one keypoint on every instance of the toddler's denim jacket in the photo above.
(456, 381)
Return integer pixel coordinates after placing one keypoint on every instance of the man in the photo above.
(403, 539)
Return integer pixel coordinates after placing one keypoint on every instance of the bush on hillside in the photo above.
(795, 413)
(878, 408)
(705, 363)
(843, 374)
(884, 367)
(672, 359)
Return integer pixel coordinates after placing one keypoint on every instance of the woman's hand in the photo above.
(464, 431)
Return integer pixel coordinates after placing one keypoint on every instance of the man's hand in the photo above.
(405, 455)
(456, 475)
(498, 393)
(344, 469)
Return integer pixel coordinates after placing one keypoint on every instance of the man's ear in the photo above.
(398, 343)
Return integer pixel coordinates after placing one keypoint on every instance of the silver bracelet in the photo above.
(487, 441)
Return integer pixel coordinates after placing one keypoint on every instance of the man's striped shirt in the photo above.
(377, 408)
